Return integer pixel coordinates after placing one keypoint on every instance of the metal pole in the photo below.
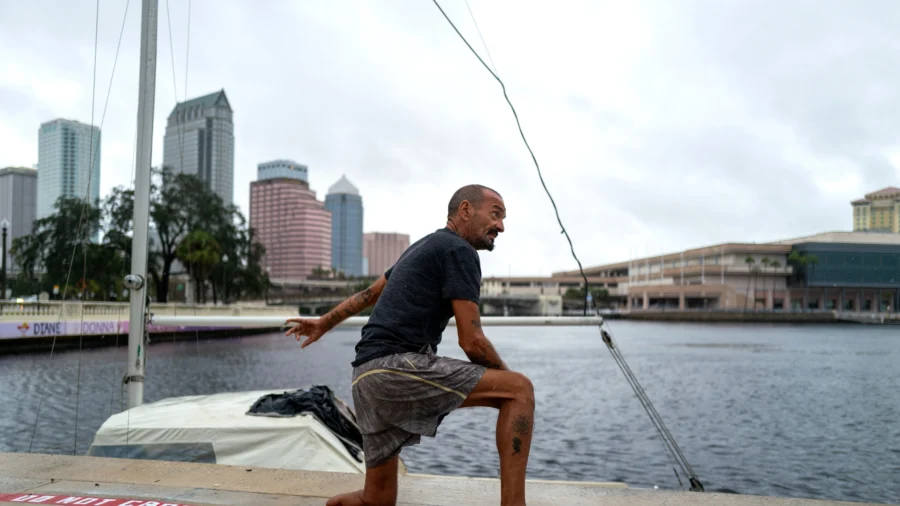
(3, 225)
(136, 281)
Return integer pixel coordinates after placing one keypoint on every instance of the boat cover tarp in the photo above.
(319, 401)
(216, 428)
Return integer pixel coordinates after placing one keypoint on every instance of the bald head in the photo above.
(473, 193)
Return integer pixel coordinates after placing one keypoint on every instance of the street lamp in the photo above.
(4, 225)
(224, 278)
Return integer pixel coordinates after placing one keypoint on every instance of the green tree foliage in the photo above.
(598, 294)
(200, 253)
(184, 214)
(60, 252)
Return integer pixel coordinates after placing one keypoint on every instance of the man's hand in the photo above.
(313, 328)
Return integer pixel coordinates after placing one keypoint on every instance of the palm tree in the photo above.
(200, 253)
(765, 263)
(812, 260)
(775, 265)
(800, 260)
(755, 273)
(749, 261)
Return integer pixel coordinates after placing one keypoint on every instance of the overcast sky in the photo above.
(658, 125)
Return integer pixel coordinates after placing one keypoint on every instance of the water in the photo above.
(800, 411)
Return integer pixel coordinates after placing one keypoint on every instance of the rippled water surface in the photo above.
(802, 411)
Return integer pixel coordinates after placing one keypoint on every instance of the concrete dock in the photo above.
(56, 479)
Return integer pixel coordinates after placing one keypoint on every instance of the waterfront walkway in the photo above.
(56, 479)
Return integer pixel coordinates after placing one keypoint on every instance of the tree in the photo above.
(749, 261)
(600, 295)
(754, 271)
(200, 253)
(812, 260)
(775, 265)
(179, 205)
(60, 251)
(765, 263)
(800, 261)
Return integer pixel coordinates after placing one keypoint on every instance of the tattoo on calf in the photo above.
(517, 445)
(522, 425)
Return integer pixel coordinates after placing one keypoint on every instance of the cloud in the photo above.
(655, 126)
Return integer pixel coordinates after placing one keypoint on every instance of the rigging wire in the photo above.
(670, 446)
(85, 201)
(533, 158)
(480, 36)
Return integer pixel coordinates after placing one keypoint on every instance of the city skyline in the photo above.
(631, 165)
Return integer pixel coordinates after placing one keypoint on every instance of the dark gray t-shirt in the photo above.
(414, 307)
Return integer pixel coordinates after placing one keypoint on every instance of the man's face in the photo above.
(487, 223)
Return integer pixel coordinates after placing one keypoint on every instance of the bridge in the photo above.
(491, 304)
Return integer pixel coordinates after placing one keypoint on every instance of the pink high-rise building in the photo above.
(293, 225)
(382, 249)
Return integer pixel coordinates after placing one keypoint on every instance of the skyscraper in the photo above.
(66, 150)
(200, 141)
(345, 204)
(291, 224)
(382, 249)
(287, 169)
(18, 204)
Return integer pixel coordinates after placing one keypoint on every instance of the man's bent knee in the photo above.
(497, 387)
(524, 388)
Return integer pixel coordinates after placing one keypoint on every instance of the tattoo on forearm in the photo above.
(350, 307)
(487, 352)
(476, 323)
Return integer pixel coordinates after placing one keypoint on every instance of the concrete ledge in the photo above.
(199, 484)
(731, 317)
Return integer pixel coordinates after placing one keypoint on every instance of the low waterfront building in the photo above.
(850, 271)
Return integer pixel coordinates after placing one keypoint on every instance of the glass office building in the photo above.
(66, 152)
(345, 204)
(848, 276)
(199, 140)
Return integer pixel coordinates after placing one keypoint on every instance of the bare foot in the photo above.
(351, 499)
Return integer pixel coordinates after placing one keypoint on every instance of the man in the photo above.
(401, 389)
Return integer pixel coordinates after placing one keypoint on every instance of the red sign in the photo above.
(80, 500)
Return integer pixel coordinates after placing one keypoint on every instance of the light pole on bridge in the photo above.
(4, 225)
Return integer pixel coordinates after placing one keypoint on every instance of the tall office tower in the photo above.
(66, 151)
(345, 204)
(199, 140)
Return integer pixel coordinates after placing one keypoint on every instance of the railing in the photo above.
(119, 310)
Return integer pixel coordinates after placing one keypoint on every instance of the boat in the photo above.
(219, 428)
(295, 429)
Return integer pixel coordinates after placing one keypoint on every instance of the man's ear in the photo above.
(466, 210)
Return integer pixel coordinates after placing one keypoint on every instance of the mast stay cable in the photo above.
(672, 449)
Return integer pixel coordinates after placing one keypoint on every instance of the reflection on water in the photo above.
(805, 411)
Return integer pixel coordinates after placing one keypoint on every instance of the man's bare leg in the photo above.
(513, 394)
(380, 488)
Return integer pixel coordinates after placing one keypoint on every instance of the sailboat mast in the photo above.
(137, 280)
